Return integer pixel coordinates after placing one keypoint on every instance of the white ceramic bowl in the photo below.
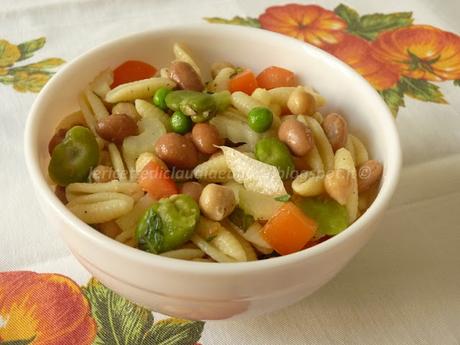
(197, 290)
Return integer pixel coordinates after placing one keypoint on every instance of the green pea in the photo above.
(274, 152)
(160, 97)
(73, 158)
(330, 216)
(260, 119)
(181, 123)
(168, 224)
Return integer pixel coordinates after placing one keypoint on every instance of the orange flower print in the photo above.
(43, 309)
(356, 52)
(310, 23)
(420, 52)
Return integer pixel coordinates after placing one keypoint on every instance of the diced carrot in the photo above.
(274, 76)
(156, 181)
(244, 81)
(132, 70)
(289, 229)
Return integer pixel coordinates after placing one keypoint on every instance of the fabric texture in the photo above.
(402, 288)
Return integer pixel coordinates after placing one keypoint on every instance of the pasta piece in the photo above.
(318, 117)
(360, 150)
(117, 162)
(74, 119)
(100, 207)
(343, 160)
(248, 249)
(181, 52)
(220, 82)
(213, 170)
(110, 229)
(263, 250)
(99, 110)
(74, 190)
(350, 147)
(130, 165)
(263, 96)
(227, 243)
(210, 250)
(87, 114)
(164, 73)
(137, 89)
(203, 260)
(244, 102)
(184, 254)
(146, 109)
(124, 236)
(323, 145)
(280, 95)
(128, 222)
(314, 160)
(101, 84)
(309, 184)
(252, 235)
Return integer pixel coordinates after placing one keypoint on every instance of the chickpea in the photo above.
(185, 76)
(216, 67)
(296, 136)
(300, 102)
(336, 129)
(193, 189)
(338, 185)
(115, 128)
(102, 173)
(369, 174)
(127, 109)
(176, 150)
(217, 202)
(205, 136)
(56, 139)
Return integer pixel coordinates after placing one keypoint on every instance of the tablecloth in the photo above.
(402, 288)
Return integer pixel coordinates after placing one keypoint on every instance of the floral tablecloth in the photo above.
(403, 288)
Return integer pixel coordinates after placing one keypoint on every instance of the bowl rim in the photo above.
(42, 188)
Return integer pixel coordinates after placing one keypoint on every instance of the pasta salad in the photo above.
(236, 168)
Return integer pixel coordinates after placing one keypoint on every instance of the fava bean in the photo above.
(73, 158)
(274, 152)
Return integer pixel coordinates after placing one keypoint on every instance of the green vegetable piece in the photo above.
(260, 119)
(223, 100)
(160, 96)
(283, 198)
(330, 216)
(168, 224)
(241, 219)
(180, 123)
(192, 103)
(73, 158)
(274, 152)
